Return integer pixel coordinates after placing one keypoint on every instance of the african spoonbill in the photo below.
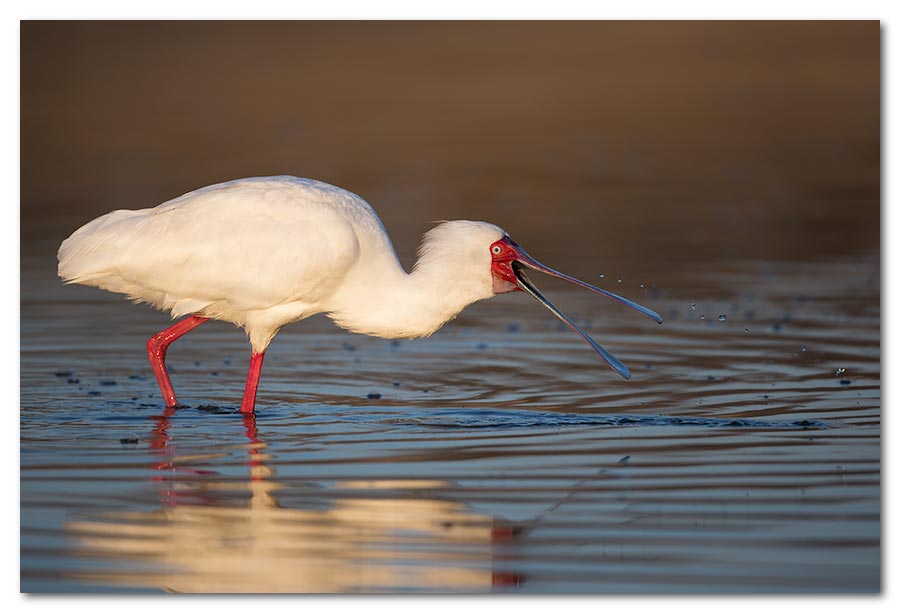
(264, 252)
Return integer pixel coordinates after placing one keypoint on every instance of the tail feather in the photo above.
(89, 254)
(92, 254)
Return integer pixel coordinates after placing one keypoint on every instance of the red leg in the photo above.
(156, 349)
(249, 401)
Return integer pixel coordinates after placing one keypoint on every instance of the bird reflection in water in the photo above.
(369, 536)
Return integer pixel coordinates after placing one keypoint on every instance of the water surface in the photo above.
(499, 455)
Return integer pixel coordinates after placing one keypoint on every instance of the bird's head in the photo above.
(486, 261)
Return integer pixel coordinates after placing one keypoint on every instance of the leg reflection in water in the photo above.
(214, 533)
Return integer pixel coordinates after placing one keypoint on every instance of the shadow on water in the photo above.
(536, 419)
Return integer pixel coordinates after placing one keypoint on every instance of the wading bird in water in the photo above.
(268, 251)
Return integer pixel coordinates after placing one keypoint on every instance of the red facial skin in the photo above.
(501, 265)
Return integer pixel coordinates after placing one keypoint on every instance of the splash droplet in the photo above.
(839, 372)
(803, 348)
(693, 306)
(602, 275)
(747, 330)
(642, 286)
(722, 317)
(619, 280)
(703, 317)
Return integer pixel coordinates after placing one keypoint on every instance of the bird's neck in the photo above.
(392, 303)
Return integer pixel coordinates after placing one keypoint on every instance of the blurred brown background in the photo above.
(623, 145)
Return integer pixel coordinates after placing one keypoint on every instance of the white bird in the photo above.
(264, 252)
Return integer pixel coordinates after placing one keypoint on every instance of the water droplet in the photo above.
(839, 372)
(602, 275)
(693, 306)
(722, 317)
(803, 348)
(747, 330)
(703, 317)
(619, 280)
(642, 286)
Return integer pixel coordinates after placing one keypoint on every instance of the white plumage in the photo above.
(267, 251)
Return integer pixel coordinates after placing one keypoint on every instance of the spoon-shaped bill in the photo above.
(526, 285)
(530, 262)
